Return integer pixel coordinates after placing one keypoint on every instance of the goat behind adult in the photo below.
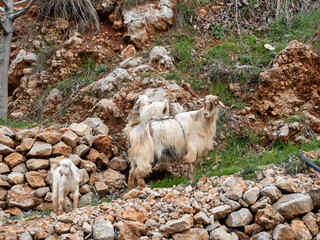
(185, 137)
(148, 109)
(66, 179)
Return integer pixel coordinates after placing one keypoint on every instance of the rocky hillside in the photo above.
(76, 83)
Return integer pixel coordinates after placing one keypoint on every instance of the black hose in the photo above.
(308, 162)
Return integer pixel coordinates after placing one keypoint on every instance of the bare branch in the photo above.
(6, 6)
(1, 9)
(20, 2)
(22, 11)
(4, 29)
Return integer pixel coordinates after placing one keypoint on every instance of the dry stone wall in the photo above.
(27, 155)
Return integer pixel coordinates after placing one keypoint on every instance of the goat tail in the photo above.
(141, 152)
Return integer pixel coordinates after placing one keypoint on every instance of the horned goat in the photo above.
(65, 179)
(185, 137)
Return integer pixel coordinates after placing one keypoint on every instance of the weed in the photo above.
(20, 124)
(296, 118)
(44, 53)
(101, 69)
(68, 84)
(169, 181)
(218, 31)
(184, 11)
(249, 173)
(174, 76)
(112, 93)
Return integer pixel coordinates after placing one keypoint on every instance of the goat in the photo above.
(65, 179)
(148, 109)
(186, 137)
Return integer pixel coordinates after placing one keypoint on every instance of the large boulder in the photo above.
(295, 204)
(21, 196)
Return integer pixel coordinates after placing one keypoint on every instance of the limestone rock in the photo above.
(28, 133)
(311, 222)
(40, 149)
(61, 149)
(239, 218)
(221, 211)
(25, 145)
(14, 159)
(88, 166)
(15, 178)
(50, 137)
(37, 164)
(107, 84)
(252, 229)
(113, 178)
(262, 236)
(180, 225)
(221, 234)
(160, 56)
(21, 196)
(6, 131)
(262, 203)
(7, 141)
(287, 186)
(272, 192)
(4, 168)
(36, 179)
(118, 164)
(103, 144)
(103, 230)
(93, 155)
(234, 192)
(22, 167)
(41, 192)
(268, 217)
(294, 204)
(81, 129)
(202, 218)
(132, 230)
(25, 236)
(62, 228)
(3, 194)
(315, 195)
(87, 199)
(81, 150)
(251, 195)
(84, 176)
(283, 232)
(193, 233)
(301, 231)
(5, 150)
(70, 138)
(101, 187)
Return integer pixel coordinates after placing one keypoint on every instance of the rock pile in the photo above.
(291, 86)
(26, 157)
(276, 206)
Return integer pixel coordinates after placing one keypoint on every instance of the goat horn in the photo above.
(223, 106)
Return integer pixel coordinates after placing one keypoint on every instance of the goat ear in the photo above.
(74, 169)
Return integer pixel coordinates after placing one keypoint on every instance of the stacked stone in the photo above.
(27, 155)
(277, 206)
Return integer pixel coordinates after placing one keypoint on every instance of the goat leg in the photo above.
(140, 181)
(75, 199)
(131, 178)
(61, 202)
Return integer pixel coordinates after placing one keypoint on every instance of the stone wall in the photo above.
(27, 155)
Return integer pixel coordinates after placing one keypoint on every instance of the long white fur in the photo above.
(66, 179)
(188, 136)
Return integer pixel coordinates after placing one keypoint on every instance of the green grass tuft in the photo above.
(169, 181)
(20, 124)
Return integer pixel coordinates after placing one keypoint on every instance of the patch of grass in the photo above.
(302, 28)
(182, 52)
(177, 76)
(240, 155)
(297, 118)
(44, 53)
(20, 124)
(169, 181)
(220, 89)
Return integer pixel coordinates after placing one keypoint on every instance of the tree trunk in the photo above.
(5, 47)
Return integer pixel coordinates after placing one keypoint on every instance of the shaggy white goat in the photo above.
(65, 179)
(185, 137)
(149, 109)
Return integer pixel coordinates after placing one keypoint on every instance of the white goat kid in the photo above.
(66, 179)
(149, 109)
(185, 137)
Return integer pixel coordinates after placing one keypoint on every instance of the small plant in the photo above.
(297, 118)
(174, 76)
(101, 69)
(169, 181)
(44, 53)
(219, 31)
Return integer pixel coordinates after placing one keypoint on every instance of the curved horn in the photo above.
(223, 106)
